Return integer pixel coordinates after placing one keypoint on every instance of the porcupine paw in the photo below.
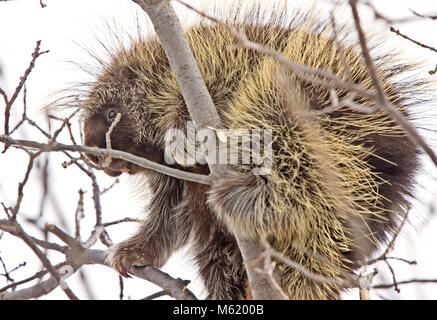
(124, 255)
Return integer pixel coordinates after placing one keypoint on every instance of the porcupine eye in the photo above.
(111, 115)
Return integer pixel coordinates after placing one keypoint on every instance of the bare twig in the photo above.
(21, 185)
(145, 163)
(308, 273)
(37, 275)
(116, 181)
(5, 96)
(380, 16)
(395, 283)
(381, 98)
(411, 281)
(392, 29)
(410, 262)
(390, 246)
(108, 135)
(377, 14)
(79, 214)
(432, 16)
(121, 284)
(65, 237)
(346, 102)
(108, 224)
(7, 273)
(36, 53)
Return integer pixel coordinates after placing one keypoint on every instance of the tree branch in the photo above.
(142, 162)
(79, 256)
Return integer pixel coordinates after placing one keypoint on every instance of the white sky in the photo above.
(62, 24)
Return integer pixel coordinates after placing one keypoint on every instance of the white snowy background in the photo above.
(64, 26)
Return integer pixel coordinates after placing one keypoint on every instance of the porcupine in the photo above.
(340, 179)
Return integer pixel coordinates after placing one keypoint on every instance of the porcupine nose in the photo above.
(93, 140)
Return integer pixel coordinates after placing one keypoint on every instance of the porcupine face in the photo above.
(110, 96)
